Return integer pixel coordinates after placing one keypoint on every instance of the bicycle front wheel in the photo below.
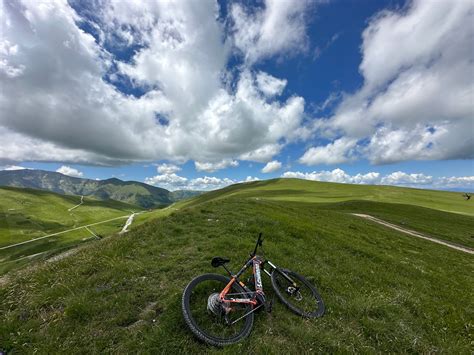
(303, 299)
(208, 318)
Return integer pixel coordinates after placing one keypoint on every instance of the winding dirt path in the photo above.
(76, 206)
(415, 234)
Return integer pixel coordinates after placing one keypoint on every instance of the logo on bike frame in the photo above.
(258, 278)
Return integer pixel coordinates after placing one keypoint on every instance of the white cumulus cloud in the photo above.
(270, 85)
(167, 181)
(457, 181)
(271, 167)
(167, 168)
(182, 101)
(67, 170)
(262, 154)
(214, 166)
(11, 167)
(397, 178)
(174, 182)
(336, 175)
(401, 178)
(416, 99)
(278, 28)
(340, 151)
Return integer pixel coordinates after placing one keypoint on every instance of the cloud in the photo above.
(174, 182)
(67, 170)
(250, 179)
(336, 175)
(397, 178)
(172, 98)
(19, 147)
(167, 168)
(278, 28)
(457, 181)
(167, 181)
(339, 151)
(211, 167)
(416, 100)
(270, 85)
(401, 178)
(271, 167)
(209, 183)
(12, 167)
(262, 154)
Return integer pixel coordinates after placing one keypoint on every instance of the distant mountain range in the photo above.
(132, 192)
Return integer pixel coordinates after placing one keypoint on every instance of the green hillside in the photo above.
(384, 291)
(27, 214)
(131, 192)
(316, 191)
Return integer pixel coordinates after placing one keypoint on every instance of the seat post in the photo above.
(226, 269)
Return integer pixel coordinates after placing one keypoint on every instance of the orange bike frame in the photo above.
(255, 262)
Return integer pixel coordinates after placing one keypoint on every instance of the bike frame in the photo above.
(257, 263)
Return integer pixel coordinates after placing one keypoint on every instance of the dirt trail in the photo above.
(128, 223)
(76, 206)
(415, 234)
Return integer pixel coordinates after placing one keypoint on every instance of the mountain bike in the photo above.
(220, 310)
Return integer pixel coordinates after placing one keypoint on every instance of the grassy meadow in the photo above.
(328, 192)
(27, 214)
(384, 291)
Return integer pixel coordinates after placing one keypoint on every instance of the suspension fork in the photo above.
(275, 268)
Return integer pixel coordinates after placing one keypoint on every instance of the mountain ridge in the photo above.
(132, 192)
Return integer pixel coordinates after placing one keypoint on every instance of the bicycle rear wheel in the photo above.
(303, 299)
(208, 318)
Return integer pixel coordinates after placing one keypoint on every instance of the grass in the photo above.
(384, 291)
(327, 192)
(28, 214)
(452, 227)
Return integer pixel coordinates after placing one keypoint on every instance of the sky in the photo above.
(202, 94)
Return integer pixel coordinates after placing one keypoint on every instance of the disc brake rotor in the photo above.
(295, 293)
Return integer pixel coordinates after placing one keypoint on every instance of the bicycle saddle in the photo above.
(217, 261)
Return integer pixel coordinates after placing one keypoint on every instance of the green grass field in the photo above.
(27, 214)
(328, 192)
(384, 291)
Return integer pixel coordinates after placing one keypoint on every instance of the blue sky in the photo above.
(188, 96)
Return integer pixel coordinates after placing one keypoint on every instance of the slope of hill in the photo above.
(384, 291)
(131, 192)
(327, 192)
(179, 195)
(27, 214)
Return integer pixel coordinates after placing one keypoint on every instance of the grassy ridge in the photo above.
(384, 291)
(130, 192)
(327, 192)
